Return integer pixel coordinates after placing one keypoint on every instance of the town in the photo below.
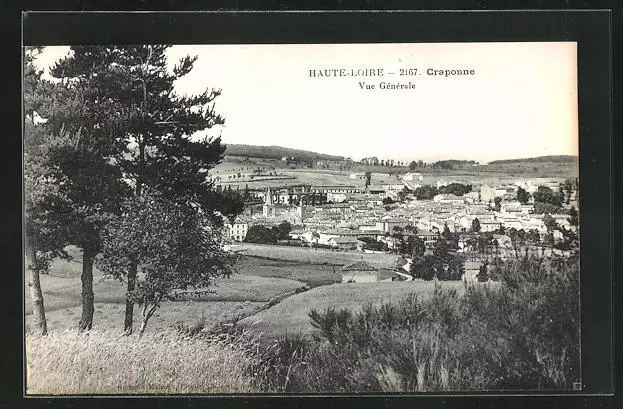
(369, 217)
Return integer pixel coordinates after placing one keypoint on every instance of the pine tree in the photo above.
(145, 130)
(80, 127)
(39, 193)
(475, 225)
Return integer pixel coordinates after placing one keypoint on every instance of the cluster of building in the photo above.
(342, 217)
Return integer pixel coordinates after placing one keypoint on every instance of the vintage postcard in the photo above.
(306, 218)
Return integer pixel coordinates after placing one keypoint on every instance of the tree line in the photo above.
(427, 192)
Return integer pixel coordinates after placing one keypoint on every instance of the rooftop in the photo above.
(345, 240)
(360, 265)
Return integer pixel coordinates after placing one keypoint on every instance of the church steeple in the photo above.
(269, 197)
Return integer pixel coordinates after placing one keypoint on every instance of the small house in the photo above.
(360, 272)
(345, 243)
(429, 237)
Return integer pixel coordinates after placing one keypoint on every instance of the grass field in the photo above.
(313, 275)
(481, 174)
(504, 170)
(312, 255)
(336, 177)
(239, 295)
(291, 315)
(163, 362)
(60, 292)
(62, 289)
(110, 316)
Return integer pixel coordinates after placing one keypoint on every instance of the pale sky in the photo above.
(521, 102)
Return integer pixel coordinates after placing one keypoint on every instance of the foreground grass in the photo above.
(104, 362)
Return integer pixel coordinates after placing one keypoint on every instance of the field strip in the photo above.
(294, 262)
(306, 256)
(274, 301)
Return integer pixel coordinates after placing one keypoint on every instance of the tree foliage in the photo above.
(132, 121)
(546, 195)
(261, 234)
(424, 267)
(497, 204)
(541, 208)
(453, 163)
(43, 239)
(475, 225)
(448, 263)
(550, 223)
(522, 195)
(426, 192)
(176, 246)
(416, 246)
(457, 189)
(574, 217)
(71, 186)
(283, 230)
(444, 263)
(368, 177)
(483, 273)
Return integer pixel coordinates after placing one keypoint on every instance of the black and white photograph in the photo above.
(301, 218)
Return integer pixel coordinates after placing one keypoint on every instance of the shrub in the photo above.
(520, 333)
(260, 234)
(483, 273)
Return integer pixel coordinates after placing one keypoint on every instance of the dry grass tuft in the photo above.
(164, 362)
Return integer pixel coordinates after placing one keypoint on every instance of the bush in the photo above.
(483, 273)
(547, 195)
(521, 333)
(541, 208)
(457, 189)
(260, 234)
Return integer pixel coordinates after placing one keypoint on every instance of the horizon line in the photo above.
(379, 157)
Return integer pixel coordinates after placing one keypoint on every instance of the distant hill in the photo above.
(539, 159)
(275, 152)
(453, 164)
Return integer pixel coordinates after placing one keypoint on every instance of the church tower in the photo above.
(269, 197)
(268, 203)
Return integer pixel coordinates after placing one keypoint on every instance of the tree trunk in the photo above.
(129, 304)
(38, 310)
(143, 325)
(146, 315)
(86, 321)
(148, 311)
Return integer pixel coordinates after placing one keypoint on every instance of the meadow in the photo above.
(264, 272)
(239, 295)
(314, 275)
(291, 316)
(498, 173)
(312, 255)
